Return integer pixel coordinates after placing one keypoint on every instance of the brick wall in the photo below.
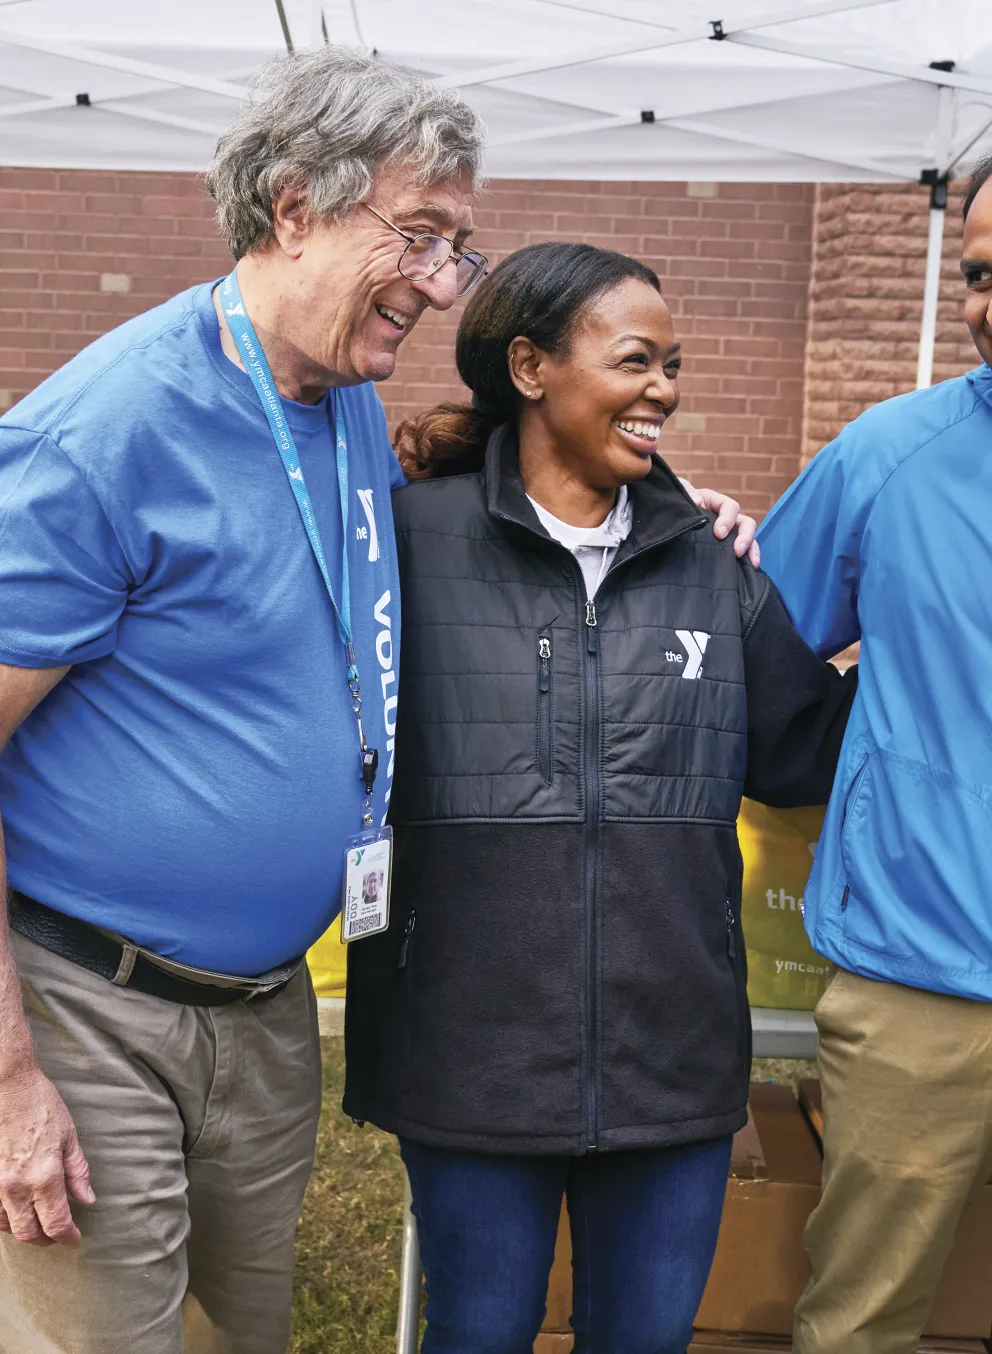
(866, 301)
(80, 252)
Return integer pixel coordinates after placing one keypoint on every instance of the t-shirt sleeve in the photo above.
(63, 576)
(811, 540)
(396, 477)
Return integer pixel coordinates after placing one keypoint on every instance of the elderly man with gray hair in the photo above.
(199, 647)
(178, 697)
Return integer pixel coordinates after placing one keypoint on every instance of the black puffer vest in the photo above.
(563, 970)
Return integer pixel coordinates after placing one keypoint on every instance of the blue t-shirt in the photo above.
(192, 780)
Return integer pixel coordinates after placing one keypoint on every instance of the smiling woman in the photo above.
(591, 679)
(584, 336)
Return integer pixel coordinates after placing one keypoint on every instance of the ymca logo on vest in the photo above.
(694, 642)
(368, 533)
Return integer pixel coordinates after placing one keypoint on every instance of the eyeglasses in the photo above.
(426, 255)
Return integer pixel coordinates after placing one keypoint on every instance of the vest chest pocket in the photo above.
(544, 659)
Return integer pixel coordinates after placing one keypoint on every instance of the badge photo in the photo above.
(367, 880)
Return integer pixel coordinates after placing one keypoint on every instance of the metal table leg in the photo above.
(408, 1316)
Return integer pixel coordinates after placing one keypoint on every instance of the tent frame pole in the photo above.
(937, 180)
(931, 284)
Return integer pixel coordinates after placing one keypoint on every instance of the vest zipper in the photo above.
(591, 782)
(544, 708)
(591, 776)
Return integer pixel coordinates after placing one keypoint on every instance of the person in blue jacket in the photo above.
(885, 538)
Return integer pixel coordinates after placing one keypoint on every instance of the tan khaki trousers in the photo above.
(907, 1100)
(199, 1126)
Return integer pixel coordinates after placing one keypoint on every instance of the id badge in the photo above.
(368, 872)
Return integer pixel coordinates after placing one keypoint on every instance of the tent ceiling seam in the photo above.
(680, 37)
(924, 75)
(89, 56)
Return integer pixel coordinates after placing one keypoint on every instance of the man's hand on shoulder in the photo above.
(729, 515)
(42, 1165)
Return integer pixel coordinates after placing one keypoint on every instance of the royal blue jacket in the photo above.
(886, 537)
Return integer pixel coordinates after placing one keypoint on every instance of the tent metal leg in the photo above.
(408, 1317)
(931, 293)
(937, 179)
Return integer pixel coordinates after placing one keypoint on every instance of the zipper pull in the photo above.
(411, 923)
(843, 901)
(591, 622)
(731, 938)
(544, 654)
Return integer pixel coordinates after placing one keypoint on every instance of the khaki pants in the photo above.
(907, 1099)
(199, 1126)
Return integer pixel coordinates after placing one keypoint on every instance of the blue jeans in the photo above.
(644, 1227)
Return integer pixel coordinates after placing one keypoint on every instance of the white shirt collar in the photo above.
(609, 534)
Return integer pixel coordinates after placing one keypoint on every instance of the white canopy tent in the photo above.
(754, 90)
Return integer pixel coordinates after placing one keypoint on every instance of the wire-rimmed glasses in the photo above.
(425, 255)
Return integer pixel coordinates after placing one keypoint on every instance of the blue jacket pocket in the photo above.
(916, 847)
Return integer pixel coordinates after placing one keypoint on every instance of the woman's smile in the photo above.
(640, 434)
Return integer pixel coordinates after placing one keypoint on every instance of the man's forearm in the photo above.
(16, 1047)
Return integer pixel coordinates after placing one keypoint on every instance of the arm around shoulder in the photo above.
(798, 705)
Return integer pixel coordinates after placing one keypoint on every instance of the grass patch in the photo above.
(349, 1240)
(786, 1071)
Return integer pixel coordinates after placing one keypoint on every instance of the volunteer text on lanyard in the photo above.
(368, 856)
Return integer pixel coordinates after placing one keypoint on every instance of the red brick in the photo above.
(60, 229)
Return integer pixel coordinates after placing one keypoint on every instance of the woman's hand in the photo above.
(729, 515)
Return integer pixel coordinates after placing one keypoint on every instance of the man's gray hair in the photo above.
(325, 121)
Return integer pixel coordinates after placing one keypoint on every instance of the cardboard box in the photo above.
(560, 1285)
(760, 1266)
(811, 1104)
(548, 1343)
(963, 1307)
(723, 1342)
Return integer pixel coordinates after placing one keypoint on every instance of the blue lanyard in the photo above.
(257, 367)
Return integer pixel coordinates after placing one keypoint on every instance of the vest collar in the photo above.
(660, 507)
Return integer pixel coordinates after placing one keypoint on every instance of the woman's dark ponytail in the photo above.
(449, 439)
(536, 293)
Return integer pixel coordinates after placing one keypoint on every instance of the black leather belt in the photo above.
(123, 964)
